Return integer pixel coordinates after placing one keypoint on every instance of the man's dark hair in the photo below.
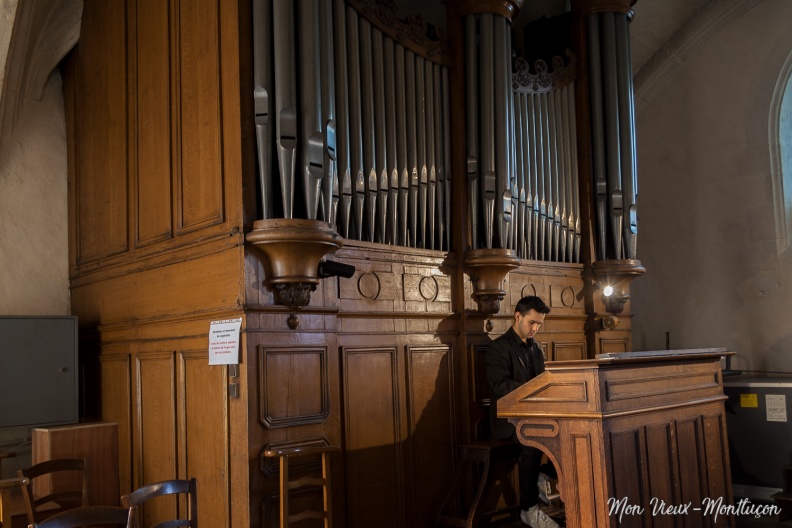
(531, 302)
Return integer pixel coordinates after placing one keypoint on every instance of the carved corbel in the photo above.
(294, 249)
(487, 269)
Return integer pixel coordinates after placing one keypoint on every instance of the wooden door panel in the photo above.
(151, 169)
(294, 386)
(155, 449)
(100, 209)
(374, 449)
(661, 481)
(628, 480)
(116, 405)
(431, 435)
(204, 435)
(200, 181)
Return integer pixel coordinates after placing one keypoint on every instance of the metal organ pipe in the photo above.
(401, 144)
(611, 96)
(380, 149)
(627, 135)
(355, 122)
(597, 133)
(487, 112)
(344, 170)
(367, 119)
(367, 107)
(262, 100)
(285, 110)
(391, 167)
(312, 152)
(613, 135)
(502, 60)
(471, 114)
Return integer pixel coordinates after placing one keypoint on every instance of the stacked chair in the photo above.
(64, 505)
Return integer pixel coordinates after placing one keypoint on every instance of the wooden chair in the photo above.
(143, 494)
(284, 455)
(87, 516)
(61, 493)
(7, 488)
(488, 456)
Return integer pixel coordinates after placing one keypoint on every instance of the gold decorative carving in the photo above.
(412, 33)
(505, 8)
(544, 80)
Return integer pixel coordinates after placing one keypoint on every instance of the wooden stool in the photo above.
(284, 455)
(485, 454)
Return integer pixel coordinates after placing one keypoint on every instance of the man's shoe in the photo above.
(536, 518)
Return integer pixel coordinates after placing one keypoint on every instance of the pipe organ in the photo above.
(449, 174)
(548, 209)
(361, 136)
(361, 131)
(613, 135)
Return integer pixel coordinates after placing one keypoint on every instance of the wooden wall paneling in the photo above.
(660, 456)
(199, 285)
(613, 345)
(587, 497)
(431, 437)
(203, 433)
(100, 179)
(116, 386)
(199, 185)
(629, 479)
(150, 130)
(480, 391)
(294, 386)
(692, 469)
(301, 409)
(156, 446)
(568, 350)
(716, 456)
(374, 435)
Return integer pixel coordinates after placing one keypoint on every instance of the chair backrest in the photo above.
(59, 494)
(179, 487)
(87, 516)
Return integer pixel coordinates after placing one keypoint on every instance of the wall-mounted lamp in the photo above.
(612, 278)
(614, 301)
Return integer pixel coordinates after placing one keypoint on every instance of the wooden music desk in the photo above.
(626, 431)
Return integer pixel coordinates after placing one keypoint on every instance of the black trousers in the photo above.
(529, 465)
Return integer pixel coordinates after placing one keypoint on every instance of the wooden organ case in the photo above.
(634, 437)
(222, 151)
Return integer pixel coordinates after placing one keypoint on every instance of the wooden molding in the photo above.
(506, 8)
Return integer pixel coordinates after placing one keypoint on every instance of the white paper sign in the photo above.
(224, 342)
(776, 407)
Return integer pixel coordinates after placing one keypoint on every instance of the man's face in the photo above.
(527, 325)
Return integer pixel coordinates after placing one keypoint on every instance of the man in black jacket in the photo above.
(513, 359)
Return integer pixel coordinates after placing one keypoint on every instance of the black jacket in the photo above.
(506, 371)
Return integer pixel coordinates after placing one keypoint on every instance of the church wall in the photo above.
(707, 224)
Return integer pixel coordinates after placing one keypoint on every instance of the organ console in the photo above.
(630, 428)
